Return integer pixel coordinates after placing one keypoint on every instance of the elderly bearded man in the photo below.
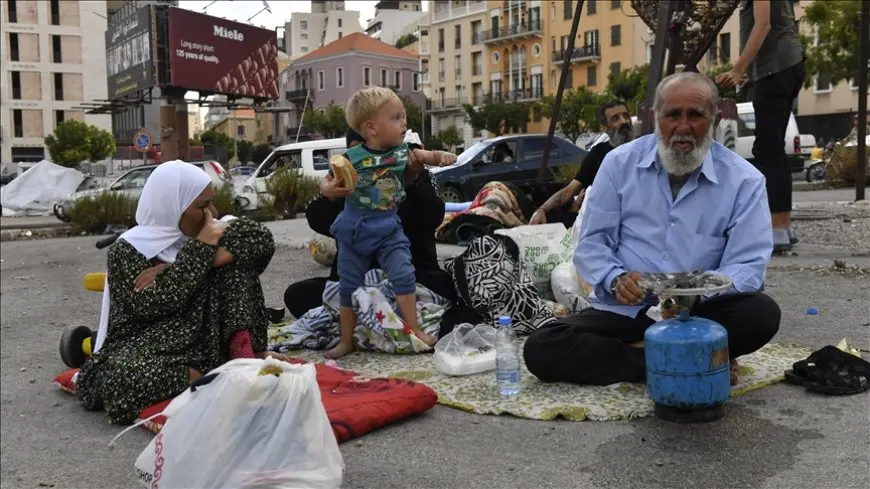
(675, 201)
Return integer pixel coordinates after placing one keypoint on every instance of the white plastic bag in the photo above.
(257, 424)
(568, 288)
(466, 350)
(541, 249)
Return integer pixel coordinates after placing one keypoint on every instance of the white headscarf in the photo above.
(170, 189)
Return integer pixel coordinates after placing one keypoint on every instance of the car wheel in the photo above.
(816, 172)
(451, 194)
(59, 213)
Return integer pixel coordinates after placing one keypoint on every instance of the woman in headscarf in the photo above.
(183, 296)
(421, 213)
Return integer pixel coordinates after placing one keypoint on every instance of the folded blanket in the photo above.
(498, 205)
(379, 322)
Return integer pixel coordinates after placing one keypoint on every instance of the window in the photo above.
(615, 69)
(16, 85)
(340, 34)
(133, 180)
(13, 47)
(339, 77)
(56, 51)
(591, 7)
(240, 130)
(592, 76)
(590, 38)
(458, 91)
(440, 40)
(55, 12)
(397, 79)
(304, 36)
(415, 82)
(501, 153)
(321, 157)
(457, 33)
(441, 69)
(284, 159)
(823, 83)
(713, 53)
(616, 35)
(12, 12)
(534, 149)
(725, 46)
(304, 49)
(615, 4)
(58, 86)
(457, 65)
(476, 31)
(321, 82)
(339, 23)
(17, 123)
(853, 84)
(383, 77)
(58, 117)
(567, 12)
(367, 76)
(569, 82)
(303, 24)
(536, 113)
(477, 63)
(495, 86)
(746, 125)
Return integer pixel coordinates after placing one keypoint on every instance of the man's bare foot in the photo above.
(425, 338)
(340, 350)
(735, 367)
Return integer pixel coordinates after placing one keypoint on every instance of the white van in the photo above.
(311, 158)
(746, 136)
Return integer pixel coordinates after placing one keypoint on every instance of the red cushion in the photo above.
(354, 404)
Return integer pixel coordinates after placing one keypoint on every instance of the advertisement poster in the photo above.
(215, 55)
(129, 64)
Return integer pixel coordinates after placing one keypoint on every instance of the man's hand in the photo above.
(578, 201)
(628, 290)
(145, 280)
(333, 188)
(539, 217)
(731, 78)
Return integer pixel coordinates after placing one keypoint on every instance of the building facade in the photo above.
(52, 58)
(392, 18)
(334, 72)
(327, 22)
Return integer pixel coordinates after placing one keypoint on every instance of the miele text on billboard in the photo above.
(129, 61)
(216, 55)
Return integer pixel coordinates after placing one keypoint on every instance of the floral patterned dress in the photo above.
(184, 321)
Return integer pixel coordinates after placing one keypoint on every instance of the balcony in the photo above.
(446, 105)
(521, 95)
(447, 11)
(296, 95)
(426, 79)
(517, 31)
(580, 55)
(509, 4)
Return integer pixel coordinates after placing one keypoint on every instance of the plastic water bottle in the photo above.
(507, 359)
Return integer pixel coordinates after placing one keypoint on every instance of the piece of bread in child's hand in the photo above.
(343, 169)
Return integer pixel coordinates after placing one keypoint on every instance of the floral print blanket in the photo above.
(380, 327)
(477, 393)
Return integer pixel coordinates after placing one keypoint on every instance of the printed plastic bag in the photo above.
(466, 350)
(247, 424)
(541, 249)
(568, 288)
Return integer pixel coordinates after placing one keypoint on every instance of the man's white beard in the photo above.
(680, 163)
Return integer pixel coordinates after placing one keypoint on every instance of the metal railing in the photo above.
(584, 53)
(518, 95)
(447, 11)
(454, 103)
(532, 27)
(299, 94)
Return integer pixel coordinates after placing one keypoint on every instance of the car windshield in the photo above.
(471, 152)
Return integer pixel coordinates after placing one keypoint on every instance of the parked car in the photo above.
(794, 144)
(511, 159)
(132, 182)
(242, 171)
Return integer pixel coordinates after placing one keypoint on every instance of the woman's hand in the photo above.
(731, 78)
(333, 188)
(145, 279)
(213, 229)
(222, 257)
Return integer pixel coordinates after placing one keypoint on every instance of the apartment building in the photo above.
(53, 58)
(392, 17)
(327, 21)
(455, 72)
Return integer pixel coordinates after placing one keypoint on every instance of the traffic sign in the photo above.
(142, 141)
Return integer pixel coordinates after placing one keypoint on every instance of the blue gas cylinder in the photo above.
(688, 368)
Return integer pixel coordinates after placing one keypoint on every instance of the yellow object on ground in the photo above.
(95, 281)
(843, 346)
(86, 346)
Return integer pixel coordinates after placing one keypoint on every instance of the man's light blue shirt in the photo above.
(719, 221)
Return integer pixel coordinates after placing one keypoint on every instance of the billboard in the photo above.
(129, 53)
(215, 55)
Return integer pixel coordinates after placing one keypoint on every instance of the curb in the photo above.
(20, 234)
(805, 186)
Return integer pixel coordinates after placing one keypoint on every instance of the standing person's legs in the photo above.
(300, 297)
(591, 347)
(354, 256)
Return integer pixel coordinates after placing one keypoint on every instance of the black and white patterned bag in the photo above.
(489, 279)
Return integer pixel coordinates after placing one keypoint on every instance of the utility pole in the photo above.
(863, 62)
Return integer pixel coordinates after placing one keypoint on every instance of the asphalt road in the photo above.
(778, 437)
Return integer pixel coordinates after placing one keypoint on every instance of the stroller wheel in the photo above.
(72, 348)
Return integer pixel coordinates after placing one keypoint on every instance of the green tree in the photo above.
(578, 114)
(629, 85)
(414, 118)
(497, 117)
(835, 51)
(260, 152)
(329, 122)
(75, 141)
(194, 141)
(219, 139)
(406, 40)
(432, 143)
(245, 149)
(450, 137)
(716, 70)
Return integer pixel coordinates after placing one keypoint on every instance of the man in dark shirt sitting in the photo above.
(563, 205)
